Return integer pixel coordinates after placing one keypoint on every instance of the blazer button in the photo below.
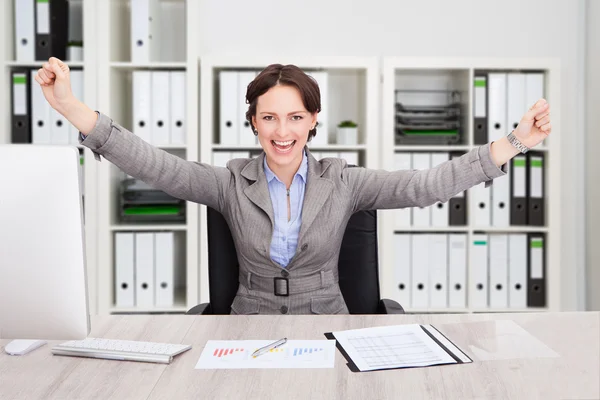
(284, 273)
(304, 247)
(283, 309)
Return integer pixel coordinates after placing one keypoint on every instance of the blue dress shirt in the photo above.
(285, 233)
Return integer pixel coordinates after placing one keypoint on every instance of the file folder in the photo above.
(498, 270)
(144, 269)
(402, 267)
(536, 282)
(20, 125)
(516, 106)
(178, 107)
(25, 30)
(480, 107)
(457, 205)
(536, 189)
(245, 135)
(322, 137)
(160, 133)
(496, 106)
(51, 34)
(59, 128)
(402, 161)
(438, 271)
(164, 251)
(420, 271)
(439, 211)
(480, 207)
(421, 216)
(518, 190)
(478, 283)
(457, 270)
(228, 108)
(517, 270)
(40, 114)
(124, 269)
(500, 202)
(145, 30)
(142, 105)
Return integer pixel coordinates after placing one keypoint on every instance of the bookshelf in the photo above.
(457, 74)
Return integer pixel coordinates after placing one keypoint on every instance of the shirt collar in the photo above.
(302, 171)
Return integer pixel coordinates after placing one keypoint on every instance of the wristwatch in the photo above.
(515, 142)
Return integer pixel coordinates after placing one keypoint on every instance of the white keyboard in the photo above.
(125, 350)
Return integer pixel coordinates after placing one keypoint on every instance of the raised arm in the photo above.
(201, 183)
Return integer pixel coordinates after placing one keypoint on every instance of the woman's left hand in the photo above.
(535, 125)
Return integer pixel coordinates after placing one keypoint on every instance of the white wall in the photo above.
(592, 159)
(468, 28)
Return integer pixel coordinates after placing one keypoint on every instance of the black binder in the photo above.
(457, 205)
(52, 42)
(480, 121)
(519, 187)
(536, 282)
(536, 193)
(20, 106)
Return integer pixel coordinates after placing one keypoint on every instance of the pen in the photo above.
(269, 347)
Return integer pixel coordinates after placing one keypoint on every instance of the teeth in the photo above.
(283, 144)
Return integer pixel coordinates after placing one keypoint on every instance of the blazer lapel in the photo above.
(258, 192)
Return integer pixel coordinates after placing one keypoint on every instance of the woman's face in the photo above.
(283, 124)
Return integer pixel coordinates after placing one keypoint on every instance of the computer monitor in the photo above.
(43, 286)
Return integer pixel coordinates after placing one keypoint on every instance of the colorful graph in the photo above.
(299, 351)
(224, 352)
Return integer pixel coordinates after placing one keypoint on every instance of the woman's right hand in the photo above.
(54, 78)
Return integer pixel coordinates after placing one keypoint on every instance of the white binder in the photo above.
(438, 271)
(59, 128)
(145, 30)
(480, 205)
(498, 270)
(228, 108)
(420, 271)
(351, 157)
(457, 270)
(245, 135)
(517, 270)
(322, 138)
(142, 99)
(178, 108)
(421, 217)
(124, 269)
(478, 282)
(160, 133)
(402, 161)
(501, 201)
(40, 114)
(439, 211)
(497, 106)
(164, 257)
(25, 30)
(402, 268)
(144, 269)
(515, 94)
(534, 88)
(77, 89)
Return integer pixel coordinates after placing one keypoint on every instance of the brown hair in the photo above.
(290, 75)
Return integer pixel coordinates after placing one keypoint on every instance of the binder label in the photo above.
(537, 265)
(43, 17)
(19, 94)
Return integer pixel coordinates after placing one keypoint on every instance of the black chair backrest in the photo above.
(358, 264)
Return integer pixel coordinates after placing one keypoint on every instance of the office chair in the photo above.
(358, 267)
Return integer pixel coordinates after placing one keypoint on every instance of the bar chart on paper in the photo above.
(228, 354)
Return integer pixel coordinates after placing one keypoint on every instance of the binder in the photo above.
(402, 161)
(142, 98)
(500, 202)
(457, 205)
(480, 107)
(402, 267)
(498, 270)
(75, 36)
(478, 282)
(517, 270)
(518, 190)
(178, 107)
(439, 211)
(515, 94)
(51, 33)
(457, 270)
(438, 271)
(144, 269)
(228, 106)
(245, 135)
(160, 133)
(77, 89)
(21, 106)
(59, 128)
(145, 30)
(421, 216)
(536, 277)
(420, 271)
(322, 137)
(124, 269)
(534, 90)
(40, 114)
(496, 106)
(25, 30)
(536, 189)
(164, 257)
(480, 207)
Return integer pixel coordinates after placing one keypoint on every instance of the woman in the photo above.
(287, 211)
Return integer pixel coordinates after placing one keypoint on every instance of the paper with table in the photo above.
(397, 346)
(237, 354)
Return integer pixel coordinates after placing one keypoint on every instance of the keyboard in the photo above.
(124, 350)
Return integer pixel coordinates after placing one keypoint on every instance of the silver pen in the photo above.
(269, 347)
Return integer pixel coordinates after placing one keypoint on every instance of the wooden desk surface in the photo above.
(555, 356)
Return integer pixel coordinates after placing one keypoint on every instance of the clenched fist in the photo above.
(54, 78)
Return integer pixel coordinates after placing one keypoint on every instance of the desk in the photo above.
(574, 336)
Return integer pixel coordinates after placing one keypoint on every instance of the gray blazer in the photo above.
(333, 193)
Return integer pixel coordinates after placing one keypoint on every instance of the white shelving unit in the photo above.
(461, 70)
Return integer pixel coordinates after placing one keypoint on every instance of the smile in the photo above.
(283, 147)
